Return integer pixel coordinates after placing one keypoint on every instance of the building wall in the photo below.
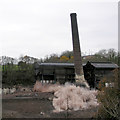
(56, 74)
(66, 73)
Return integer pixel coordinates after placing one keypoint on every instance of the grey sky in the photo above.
(42, 27)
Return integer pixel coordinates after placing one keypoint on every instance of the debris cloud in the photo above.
(39, 87)
(74, 98)
(68, 96)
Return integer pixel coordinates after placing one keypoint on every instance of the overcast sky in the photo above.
(41, 27)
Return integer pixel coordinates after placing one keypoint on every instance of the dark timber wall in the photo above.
(65, 72)
(55, 72)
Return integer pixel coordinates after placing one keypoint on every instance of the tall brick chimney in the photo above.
(79, 75)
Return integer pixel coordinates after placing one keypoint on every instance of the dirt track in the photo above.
(37, 105)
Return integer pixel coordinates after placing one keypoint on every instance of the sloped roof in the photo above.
(95, 64)
(104, 65)
(57, 64)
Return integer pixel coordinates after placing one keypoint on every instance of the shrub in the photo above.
(108, 98)
(22, 74)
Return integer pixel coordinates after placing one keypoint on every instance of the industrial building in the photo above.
(65, 72)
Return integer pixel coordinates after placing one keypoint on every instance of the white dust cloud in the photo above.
(68, 96)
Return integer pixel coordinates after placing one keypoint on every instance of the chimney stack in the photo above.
(79, 75)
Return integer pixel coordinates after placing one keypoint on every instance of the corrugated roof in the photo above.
(104, 65)
(57, 64)
(95, 64)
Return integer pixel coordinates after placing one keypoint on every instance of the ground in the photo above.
(37, 105)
